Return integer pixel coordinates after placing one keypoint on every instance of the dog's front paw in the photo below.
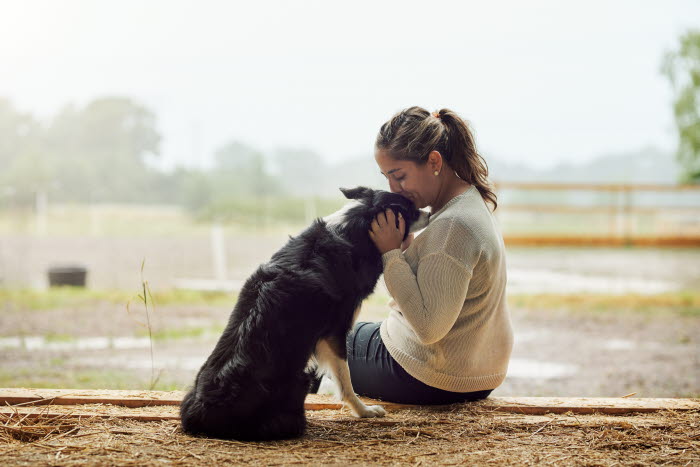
(370, 411)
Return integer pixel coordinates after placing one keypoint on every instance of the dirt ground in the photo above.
(449, 435)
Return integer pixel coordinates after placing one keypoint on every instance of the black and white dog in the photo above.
(292, 315)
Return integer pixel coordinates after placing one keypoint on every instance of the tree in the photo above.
(101, 150)
(301, 170)
(16, 132)
(25, 165)
(682, 67)
(240, 170)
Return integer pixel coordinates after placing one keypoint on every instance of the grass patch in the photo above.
(54, 337)
(184, 332)
(61, 377)
(685, 303)
(72, 297)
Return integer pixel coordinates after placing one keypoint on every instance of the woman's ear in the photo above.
(435, 161)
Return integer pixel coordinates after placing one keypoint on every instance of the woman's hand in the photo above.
(384, 233)
(406, 243)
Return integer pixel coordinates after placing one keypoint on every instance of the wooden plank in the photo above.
(24, 396)
(134, 399)
(32, 412)
(523, 405)
(587, 405)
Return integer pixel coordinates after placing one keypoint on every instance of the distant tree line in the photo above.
(101, 153)
(94, 153)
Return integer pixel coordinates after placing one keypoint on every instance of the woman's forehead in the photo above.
(387, 164)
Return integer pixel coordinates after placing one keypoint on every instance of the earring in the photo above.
(436, 173)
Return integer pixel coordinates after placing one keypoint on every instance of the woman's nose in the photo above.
(394, 186)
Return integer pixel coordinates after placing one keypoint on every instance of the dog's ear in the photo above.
(357, 193)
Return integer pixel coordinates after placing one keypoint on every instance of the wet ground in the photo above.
(562, 350)
(558, 352)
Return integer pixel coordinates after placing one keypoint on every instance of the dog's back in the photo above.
(253, 385)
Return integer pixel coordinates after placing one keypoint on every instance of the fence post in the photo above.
(41, 212)
(626, 208)
(218, 251)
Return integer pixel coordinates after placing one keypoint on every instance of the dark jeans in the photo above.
(374, 373)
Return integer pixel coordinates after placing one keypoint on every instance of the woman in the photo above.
(448, 336)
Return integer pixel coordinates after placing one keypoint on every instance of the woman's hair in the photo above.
(414, 132)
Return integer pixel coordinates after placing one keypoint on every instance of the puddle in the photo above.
(538, 369)
(546, 281)
(521, 337)
(619, 344)
(518, 368)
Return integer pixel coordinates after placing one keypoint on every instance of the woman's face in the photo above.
(415, 182)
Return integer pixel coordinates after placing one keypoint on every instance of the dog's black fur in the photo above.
(253, 385)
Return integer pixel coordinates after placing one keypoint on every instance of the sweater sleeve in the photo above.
(431, 299)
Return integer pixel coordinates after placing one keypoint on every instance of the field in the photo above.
(588, 321)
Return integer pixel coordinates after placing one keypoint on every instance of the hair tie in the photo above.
(436, 115)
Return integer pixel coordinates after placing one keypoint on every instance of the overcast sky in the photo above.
(540, 81)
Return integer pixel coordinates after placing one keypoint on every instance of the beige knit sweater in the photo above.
(449, 326)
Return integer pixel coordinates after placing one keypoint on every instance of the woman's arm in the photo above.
(432, 299)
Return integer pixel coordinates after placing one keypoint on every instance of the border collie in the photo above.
(292, 316)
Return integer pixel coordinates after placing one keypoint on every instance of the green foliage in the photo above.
(95, 153)
(76, 297)
(103, 152)
(22, 155)
(57, 375)
(682, 67)
(239, 172)
(102, 149)
(301, 170)
(192, 332)
(683, 303)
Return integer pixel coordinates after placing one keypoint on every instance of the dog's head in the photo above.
(367, 203)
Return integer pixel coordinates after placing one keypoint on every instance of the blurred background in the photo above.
(152, 154)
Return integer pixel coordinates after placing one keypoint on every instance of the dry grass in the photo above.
(37, 428)
(446, 435)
